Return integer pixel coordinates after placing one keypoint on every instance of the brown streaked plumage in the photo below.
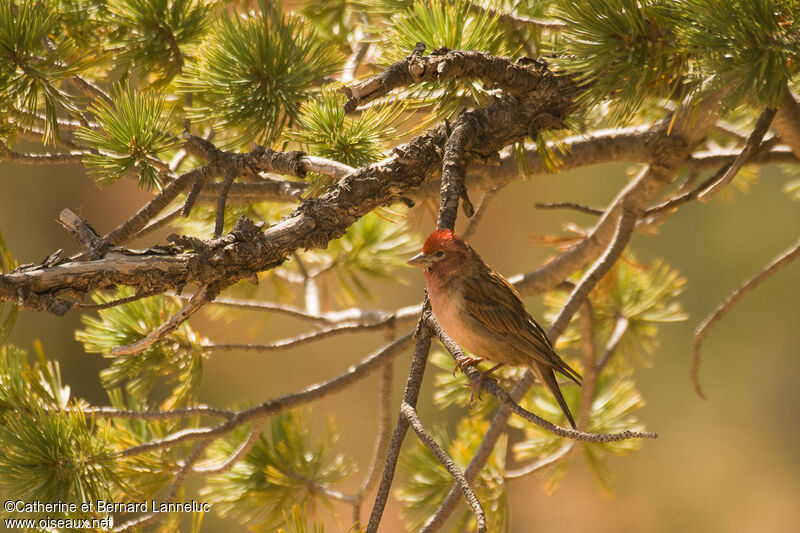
(483, 312)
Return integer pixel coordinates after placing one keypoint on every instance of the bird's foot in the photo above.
(478, 383)
(465, 361)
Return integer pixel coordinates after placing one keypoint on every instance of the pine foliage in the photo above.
(116, 82)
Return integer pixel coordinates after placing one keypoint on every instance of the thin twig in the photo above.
(299, 340)
(199, 298)
(620, 328)
(571, 205)
(40, 159)
(174, 491)
(355, 315)
(241, 451)
(486, 199)
(183, 412)
(282, 403)
(219, 221)
(115, 303)
(410, 396)
(750, 148)
(700, 333)
(412, 418)
(381, 441)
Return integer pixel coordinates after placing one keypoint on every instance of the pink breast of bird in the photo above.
(448, 308)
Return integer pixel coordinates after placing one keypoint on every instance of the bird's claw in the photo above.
(476, 390)
(465, 361)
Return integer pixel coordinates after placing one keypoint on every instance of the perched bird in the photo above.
(483, 312)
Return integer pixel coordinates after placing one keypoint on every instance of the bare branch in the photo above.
(80, 229)
(40, 159)
(750, 147)
(174, 490)
(385, 322)
(381, 441)
(453, 173)
(241, 451)
(571, 205)
(183, 412)
(271, 407)
(199, 298)
(700, 333)
(410, 396)
(410, 414)
(620, 328)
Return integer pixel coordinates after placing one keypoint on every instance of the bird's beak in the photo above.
(421, 260)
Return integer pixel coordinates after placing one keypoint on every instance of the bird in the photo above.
(480, 310)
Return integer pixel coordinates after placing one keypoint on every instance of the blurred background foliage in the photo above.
(120, 79)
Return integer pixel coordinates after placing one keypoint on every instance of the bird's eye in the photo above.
(440, 253)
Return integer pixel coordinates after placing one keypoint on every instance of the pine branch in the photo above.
(410, 396)
(313, 224)
(411, 416)
(702, 330)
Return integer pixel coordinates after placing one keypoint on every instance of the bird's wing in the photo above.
(500, 308)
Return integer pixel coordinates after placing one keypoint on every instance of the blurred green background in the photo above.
(729, 464)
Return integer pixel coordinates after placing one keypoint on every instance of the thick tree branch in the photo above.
(246, 250)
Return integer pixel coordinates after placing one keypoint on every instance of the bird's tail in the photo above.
(568, 371)
(548, 378)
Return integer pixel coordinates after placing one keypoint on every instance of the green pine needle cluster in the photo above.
(254, 71)
(373, 248)
(150, 33)
(30, 74)
(323, 129)
(131, 133)
(283, 469)
(644, 295)
(176, 359)
(750, 47)
(48, 454)
(625, 50)
(437, 24)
